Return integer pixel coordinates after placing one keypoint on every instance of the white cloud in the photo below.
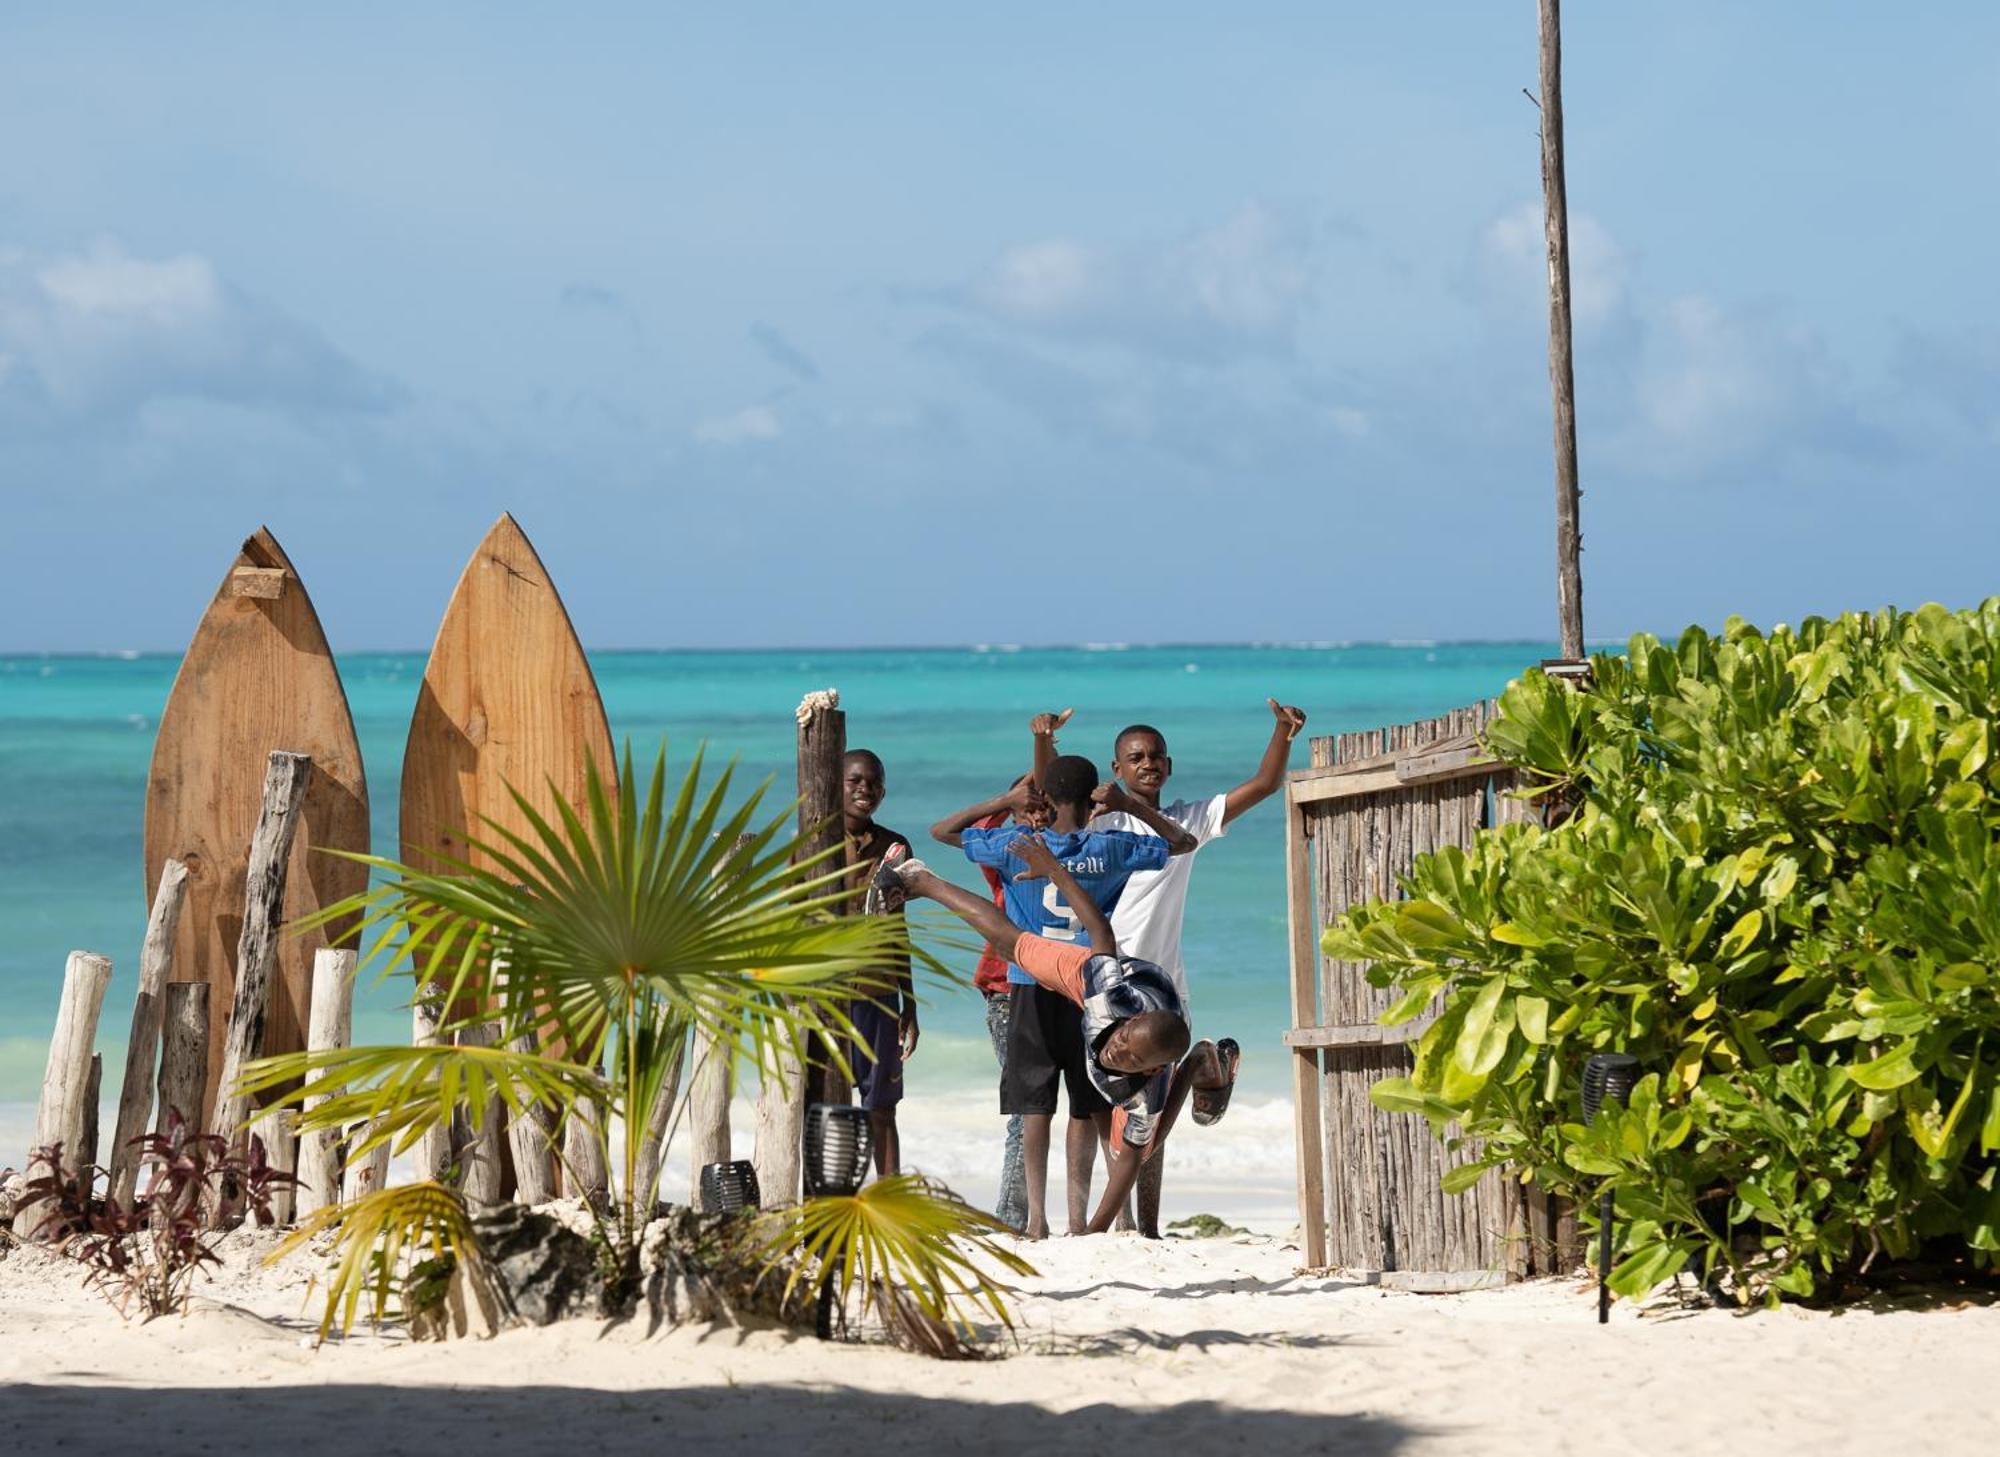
(753, 422)
(1234, 289)
(100, 336)
(1513, 258)
(1348, 421)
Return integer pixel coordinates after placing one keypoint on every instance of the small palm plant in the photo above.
(606, 941)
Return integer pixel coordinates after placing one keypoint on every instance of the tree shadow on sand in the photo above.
(538, 1420)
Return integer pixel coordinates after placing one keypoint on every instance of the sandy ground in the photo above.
(1208, 1346)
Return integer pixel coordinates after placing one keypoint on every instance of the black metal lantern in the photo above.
(1608, 1077)
(729, 1188)
(838, 1143)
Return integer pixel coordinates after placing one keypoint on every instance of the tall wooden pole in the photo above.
(59, 1113)
(1562, 373)
(149, 1010)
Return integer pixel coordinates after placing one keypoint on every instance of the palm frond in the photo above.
(904, 1233)
(383, 1236)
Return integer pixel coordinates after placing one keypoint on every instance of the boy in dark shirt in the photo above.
(1045, 1040)
(885, 1027)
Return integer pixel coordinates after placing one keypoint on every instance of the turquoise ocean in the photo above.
(76, 735)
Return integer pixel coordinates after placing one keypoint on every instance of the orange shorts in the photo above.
(1057, 965)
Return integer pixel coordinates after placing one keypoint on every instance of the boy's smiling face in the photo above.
(862, 787)
(1141, 762)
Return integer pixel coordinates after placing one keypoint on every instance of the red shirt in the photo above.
(990, 976)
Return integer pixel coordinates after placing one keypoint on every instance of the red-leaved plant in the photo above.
(149, 1254)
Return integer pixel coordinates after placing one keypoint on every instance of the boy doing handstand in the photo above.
(1135, 1034)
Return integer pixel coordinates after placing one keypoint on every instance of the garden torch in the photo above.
(1607, 1078)
(729, 1188)
(838, 1143)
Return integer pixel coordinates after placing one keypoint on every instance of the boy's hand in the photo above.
(1041, 860)
(1024, 801)
(1290, 719)
(906, 1030)
(1044, 725)
(1110, 798)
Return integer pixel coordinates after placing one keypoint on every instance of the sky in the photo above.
(873, 324)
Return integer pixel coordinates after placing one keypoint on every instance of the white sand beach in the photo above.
(1205, 1345)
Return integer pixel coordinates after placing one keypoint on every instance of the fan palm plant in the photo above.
(606, 940)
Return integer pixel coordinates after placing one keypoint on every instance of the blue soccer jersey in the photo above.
(1101, 860)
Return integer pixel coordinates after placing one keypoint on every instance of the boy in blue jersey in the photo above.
(1045, 1032)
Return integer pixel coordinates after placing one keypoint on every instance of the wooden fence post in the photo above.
(285, 779)
(433, 1146)
(93, 1094)
(711, 1080)
(330, 1025)
(583, 1153)
(368, 1174)
(653, 1142)
(781, 1102)
(480, 1158)
(1310, 1141)
(59, 1113)
(184, 1054)
(280, 1131)
(149, 1009)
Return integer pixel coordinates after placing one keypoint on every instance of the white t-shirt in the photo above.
(1147, 919)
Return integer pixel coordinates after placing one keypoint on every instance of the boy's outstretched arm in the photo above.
(1043, 865)
(1043, 727)
(1270, 775)
(1110, 798)
(1017, 801)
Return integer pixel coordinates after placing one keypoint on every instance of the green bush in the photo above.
(1775, 879)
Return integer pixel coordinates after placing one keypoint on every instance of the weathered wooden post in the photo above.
(481, 1165)
(781, 1102)
(280, 1131)
(711, 1081)
(1562, 373)
(368, 1174)
(184, 1053)
(149, 1008)
(653, 1142)
(433, 1146)
(93, 1093)
(583, 1153)
(59, 1113)
(330, 1025)
(285, 779)
(529, 1141)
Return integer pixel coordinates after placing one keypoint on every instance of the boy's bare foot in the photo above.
(1038, 1228)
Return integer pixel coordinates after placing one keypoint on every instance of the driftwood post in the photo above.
(781, 1102)
(280, 1131)
(710, 1084)
(583, 1153)
(433, 1146)
(369, 1173)
(481, 1164)
(149, 1009)
(529, 1140)
(1562, 373)
(184, 1053)
(93, 1093)
(285, 779)
(330, 1025)
(59, 1114)
(653, 1142)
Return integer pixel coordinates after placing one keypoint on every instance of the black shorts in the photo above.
(1045, 1047)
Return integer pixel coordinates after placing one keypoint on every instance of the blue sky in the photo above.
(899, 323)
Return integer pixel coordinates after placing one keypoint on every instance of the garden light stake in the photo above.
(1607, 1078)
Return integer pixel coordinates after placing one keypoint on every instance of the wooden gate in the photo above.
(1369, 1182)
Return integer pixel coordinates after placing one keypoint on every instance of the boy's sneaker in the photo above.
(885, 889)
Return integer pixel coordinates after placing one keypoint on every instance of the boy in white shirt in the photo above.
(1147, 919)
